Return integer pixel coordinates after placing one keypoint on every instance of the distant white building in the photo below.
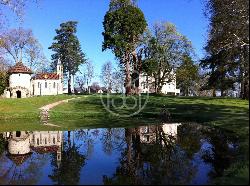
(22, 84)
(147, 86)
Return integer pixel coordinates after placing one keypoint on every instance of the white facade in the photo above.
(22, 84)
(146, 86)
(46, 87)
(148, 133)
(22, 80)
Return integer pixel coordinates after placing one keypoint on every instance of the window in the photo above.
(45, 84)
(54, 140)
(54, 85)
(37, 141)
(38, 85)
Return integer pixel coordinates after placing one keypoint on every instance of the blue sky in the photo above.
(45, 17)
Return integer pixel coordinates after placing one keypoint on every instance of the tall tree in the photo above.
(124, 23)
(66, 47)
(165, 47)
(186, 75)
(118, 80)
(15, 6)
(21, 45)
(88, 73)
(106, 75)
(229, 36)
(221, 76)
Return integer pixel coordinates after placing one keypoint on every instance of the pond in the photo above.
(170, 153)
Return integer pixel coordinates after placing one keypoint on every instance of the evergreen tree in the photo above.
(228, 37)
(222, 74)
(124, 23)
(66, 47)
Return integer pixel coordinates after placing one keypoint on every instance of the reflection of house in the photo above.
(147, 86)
(148, 133)
(22, 84)
(20, 143)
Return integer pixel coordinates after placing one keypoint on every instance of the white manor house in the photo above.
(22, 82)
(147, 85)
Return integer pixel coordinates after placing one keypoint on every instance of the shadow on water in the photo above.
(170, 153)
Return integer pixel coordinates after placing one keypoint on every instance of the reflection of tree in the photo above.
(3, 143)
(222, 151)
(189, 139)
(112, 138)
(158, 162)
(68, 172)
(87, 139)
(25, 174)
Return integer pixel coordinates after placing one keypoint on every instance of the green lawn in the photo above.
(12, 109)
(228, 114)
(88, 112)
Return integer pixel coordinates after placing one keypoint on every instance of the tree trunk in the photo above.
(221, 93)
(69, 139)
(128, 75)
(69, 84)
(138, 69)
(214, 92)
(73, 84)
(186, 92)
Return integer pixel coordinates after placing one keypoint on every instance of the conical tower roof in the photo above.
(20, 68)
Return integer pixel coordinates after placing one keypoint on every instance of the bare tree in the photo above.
(81, 82)
(15, 6)
(106, 75)
(19, 44)
(118, 80)
(88, 73)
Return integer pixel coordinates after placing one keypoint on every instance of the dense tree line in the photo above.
(228, 45)
(157, 53)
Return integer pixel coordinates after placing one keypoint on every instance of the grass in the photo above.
(89, 112)
(27, 108)
(228, 114)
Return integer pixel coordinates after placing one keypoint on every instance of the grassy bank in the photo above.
(27, 108)
(89, 112)
(225, 113)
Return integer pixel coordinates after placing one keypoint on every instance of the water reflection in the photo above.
(171, 153)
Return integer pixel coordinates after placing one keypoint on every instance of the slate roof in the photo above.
(20, 68)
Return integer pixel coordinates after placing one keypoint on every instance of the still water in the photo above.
(170, 153)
